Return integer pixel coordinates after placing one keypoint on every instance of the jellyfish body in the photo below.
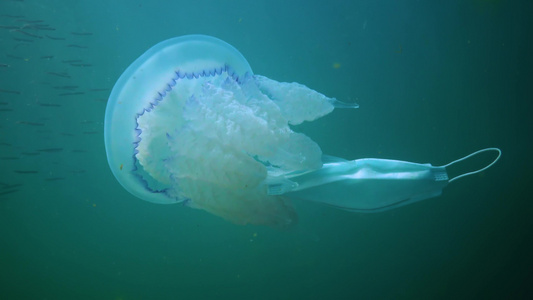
(189, 122)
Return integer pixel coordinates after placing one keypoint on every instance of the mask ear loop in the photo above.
(470, 155)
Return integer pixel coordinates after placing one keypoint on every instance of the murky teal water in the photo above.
(434, 83)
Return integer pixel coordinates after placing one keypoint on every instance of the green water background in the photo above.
(435, 80)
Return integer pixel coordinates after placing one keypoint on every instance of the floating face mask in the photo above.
(188, 122)
(368, 184)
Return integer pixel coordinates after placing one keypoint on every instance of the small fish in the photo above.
(55, 38)
(50, 105)
(77, 46)
(71, 61)
(44, 131)
(21, 44)
(66, 87)
(6, 186)
(9, 27)
(81, 33)
(6, 109)
(71, 94)
(30, 123)
(25, 172)
(30, 153)
(29, 34)
(23, 40)
(40, 27)
(54, 178)
(9, 91)
(64, 75)
(9, 158)
(50, 150)
(12, 16)
(3, 193)
(81, 65)
(29, 21)
(4, 66)
(14, 56)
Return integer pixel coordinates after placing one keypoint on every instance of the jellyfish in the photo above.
(189, 122)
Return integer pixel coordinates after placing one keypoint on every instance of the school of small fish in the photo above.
(51, 111)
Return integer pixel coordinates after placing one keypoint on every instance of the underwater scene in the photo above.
(265, 149)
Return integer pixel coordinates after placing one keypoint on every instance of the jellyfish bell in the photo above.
(188, 122)
(140, 91)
